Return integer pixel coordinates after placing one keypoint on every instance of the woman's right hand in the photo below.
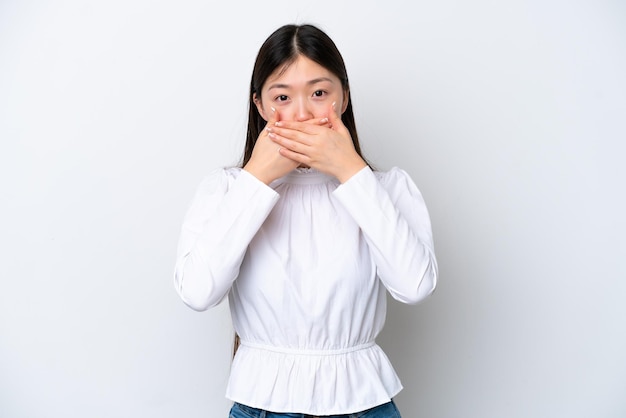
(266, 163)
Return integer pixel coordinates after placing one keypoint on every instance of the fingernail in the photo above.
(334, 103)
(273, 110)
(325, 120)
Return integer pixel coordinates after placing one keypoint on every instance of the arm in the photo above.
(216, 231)
(395, 223)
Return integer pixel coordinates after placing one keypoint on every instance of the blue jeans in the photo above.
(387, 410)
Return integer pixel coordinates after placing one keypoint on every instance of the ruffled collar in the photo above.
(304, 175)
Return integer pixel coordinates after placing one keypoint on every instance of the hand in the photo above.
(325, 146)
(266, 163)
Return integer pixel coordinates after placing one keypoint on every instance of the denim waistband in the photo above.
(387, 410)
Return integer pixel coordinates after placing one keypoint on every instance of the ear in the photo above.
(259, 106)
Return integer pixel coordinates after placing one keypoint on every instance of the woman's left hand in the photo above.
(327, 149)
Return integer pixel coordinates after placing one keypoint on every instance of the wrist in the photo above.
(258, 173)
(350, 170)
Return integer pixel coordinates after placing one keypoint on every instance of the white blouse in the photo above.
(305, 263)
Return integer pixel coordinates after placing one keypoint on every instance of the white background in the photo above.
(508, 115)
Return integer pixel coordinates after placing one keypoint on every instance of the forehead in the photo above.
(300, 71)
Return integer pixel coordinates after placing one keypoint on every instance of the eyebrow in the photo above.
(310, 83)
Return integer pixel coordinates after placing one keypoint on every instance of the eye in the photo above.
(319, 93)
(281, 98)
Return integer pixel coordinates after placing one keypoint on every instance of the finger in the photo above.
(304, 135)
(325, 122)
(273, 118)
(294, 156)
(334, 117)
(296, 145)
(309, 127)
(322, 122)
(303, 124)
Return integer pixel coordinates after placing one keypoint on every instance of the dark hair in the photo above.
(282, 48)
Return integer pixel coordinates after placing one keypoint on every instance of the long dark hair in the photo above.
(282, 48)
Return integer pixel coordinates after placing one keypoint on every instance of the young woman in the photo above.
(305, 238)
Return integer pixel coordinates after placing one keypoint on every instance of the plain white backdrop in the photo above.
(508, 115)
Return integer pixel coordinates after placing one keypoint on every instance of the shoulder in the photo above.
(393, 175)
(221, 175)
(397, 181)
(217, 180)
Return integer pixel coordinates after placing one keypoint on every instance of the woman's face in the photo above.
(304, 90)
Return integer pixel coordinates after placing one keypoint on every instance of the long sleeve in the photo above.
(227, 210)
(395, 223)
(312, 270)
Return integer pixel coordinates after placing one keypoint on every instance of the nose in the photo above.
(303, 111)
